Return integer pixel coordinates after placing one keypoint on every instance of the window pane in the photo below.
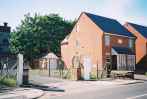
(77, 44)
(131, 43)
(107, 40)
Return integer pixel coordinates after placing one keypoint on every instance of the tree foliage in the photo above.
(38, 34)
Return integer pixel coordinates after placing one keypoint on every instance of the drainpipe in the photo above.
(97, 70)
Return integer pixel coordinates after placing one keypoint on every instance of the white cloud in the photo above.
(122, 10)
(138, 20)
(116, 9)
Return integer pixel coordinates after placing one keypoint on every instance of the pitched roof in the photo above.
(65, 40)
(123, 50)
(51, 55)
(109, 25)
(140, 28)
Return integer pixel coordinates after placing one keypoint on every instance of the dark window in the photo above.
(1, 49)
(5, 42)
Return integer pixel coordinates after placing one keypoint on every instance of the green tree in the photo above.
(38, 34)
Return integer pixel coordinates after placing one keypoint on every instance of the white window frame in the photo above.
(77, 43)
(107, 40)
(131, 43)
(77, 27)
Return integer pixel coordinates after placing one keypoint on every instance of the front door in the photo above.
(87, 67)
(114, 62)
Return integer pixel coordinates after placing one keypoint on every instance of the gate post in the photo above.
(20, 70)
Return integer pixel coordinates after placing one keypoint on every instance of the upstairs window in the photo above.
(77, 44)
(5, 42)
(107, 40)
(77, 27)
(97, 40)
(131, 43)
(120, 41)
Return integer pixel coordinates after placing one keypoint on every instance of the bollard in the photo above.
(26, 75)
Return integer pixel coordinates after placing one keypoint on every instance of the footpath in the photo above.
(21, 93)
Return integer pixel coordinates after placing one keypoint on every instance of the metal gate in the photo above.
(8, 67)
(49, 68)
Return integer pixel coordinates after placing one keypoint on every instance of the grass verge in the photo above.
(10, 82)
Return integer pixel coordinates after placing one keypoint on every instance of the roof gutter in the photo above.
(119, 35)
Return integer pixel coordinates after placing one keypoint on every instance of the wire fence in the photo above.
(8, 67)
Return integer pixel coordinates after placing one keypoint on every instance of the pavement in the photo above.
(65, 87)
(140, 77)
(22, 93)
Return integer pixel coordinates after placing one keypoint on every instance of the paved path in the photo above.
(141, 77)
(22, 93)
(37, 79)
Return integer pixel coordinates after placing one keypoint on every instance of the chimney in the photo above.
(5, 24)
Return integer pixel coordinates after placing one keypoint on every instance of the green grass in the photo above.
(59, 73)
(10, 82)
(145, 73)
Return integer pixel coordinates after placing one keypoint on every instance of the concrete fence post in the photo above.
(20, 70)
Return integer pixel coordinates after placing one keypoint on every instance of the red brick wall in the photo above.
(90, 38)
(140, 42)
(114, 41)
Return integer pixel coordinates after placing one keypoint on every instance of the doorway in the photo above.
(114, 62)
(87, 67)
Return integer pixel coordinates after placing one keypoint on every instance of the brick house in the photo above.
(141, 42)
(4, 44)
(101, 41)
(4, 40)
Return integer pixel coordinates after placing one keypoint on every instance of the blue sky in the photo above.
(12, 11)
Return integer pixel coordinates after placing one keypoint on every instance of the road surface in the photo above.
(131, 91)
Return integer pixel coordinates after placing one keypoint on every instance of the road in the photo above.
(131, 91)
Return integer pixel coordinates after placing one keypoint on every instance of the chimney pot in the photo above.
(5, 24)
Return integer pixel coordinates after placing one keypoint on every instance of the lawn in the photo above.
(10, 82)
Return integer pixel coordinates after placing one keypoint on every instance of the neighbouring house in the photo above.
(4, 45)
(141, 42)
(47, 61)
(99, 41)
(4, 40)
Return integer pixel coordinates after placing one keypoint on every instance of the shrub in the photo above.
(10, 82)
(93, 77)
(145, 73)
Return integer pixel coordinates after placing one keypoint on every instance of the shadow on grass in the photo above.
(44, 88)
(5, 89)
